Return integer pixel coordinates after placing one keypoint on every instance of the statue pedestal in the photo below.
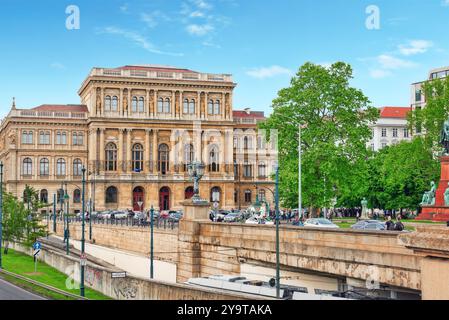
(189, 250)
(438, 212)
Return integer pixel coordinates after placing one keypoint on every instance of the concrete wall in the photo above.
(219, 248)
(129, 288)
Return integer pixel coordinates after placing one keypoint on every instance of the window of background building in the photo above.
(214, 165)
(114, 105)
(384, 132)
(44, 137)
(111, 195)
(248, 196)
(405, 133)
(111, 157)
(27, 137)
(262, 170)
(395, 132)
(77, 167)
(60, 167)
(418, 95)
(163, 163)
(76, 196)
(44, 196)
(137, 154)
(247, 170)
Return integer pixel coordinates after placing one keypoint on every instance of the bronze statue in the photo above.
(428, 198)
(444, 139)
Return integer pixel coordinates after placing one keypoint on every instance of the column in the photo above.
(173, 105)
(120, 103)
(172, 153)
(92, 147)
(155, 146)
(204, 153)
(181, 104)
(206, 105)
(147, 152)
(222, 106)
(101, 150)
(147, 104)
(120, 151)
(102, 101)
(222, 153)
(155, 103)
(128, 150)
(198, 106)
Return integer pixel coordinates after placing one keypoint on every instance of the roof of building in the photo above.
(157, 68)
(248, 114)
(62, 107)
(394, 112)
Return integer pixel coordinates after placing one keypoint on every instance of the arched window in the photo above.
(111, 195)
(27, 168)
(167, 105)
(134, 104)
(214, 165)
(141, 105)
(111, 157)
(210, 107)
(44, 167)
(188, 155)
(217, 107)
(262, 195)
(76, 196)
(248, 196)
(188, 194)
(160, 105)
(186, 106)
(192, 106)
(248, 142)
(114, 106)
(60, 167)
(215, 194)
(77, 167)
(137, 157)
(163, 164)
(107, 103)
(262, 170)
(43, 196)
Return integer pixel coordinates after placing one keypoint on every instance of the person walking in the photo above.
(389, 224)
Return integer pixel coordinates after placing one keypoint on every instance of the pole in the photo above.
(151, 245)
(299, 174)
(67, 218)
(278, 275)
(90, 219)
(1, 212)
(83, 210)
(54, 213)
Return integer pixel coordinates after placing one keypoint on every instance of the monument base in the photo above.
(434, 213)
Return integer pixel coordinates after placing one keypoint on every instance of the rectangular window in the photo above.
(384, 132)
(247, 170)
(405, 133)
(418, 95)
(395, 132)
(44, 138)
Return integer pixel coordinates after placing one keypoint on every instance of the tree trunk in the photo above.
(5, 251)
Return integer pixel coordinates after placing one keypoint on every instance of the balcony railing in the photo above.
(47, 114)
(135, 73)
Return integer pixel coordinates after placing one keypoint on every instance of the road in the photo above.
(11, 292)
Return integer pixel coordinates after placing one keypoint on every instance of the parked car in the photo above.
(176, 215)
(139, 216)
(119, 215)
(253, 220)
(320, 223)
(232, 217)
(369, 225)
(104, 214)
(220, 215)
(164, 214)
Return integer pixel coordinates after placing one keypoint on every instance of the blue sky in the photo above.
(262, 43)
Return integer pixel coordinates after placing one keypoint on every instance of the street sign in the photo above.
(37, 246)
(83, 259)
(118, 275)
(36, 253)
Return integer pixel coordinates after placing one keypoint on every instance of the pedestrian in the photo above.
(389, 224)
(398, 226)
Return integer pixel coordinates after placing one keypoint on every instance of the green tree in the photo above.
(430, 119)
(335, 118)
(34, 228)
(14, 220)
(400, 174)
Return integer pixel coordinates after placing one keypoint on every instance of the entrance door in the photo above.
(138, 198)
(189, 193)
(164, 198)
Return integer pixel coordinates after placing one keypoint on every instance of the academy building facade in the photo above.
(135, 131)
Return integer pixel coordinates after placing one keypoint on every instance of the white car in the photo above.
(252, 220)
(320, 223)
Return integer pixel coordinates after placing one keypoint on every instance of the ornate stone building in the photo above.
(135, 131)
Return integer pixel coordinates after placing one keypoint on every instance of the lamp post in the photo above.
(82, 231)
(1, 212)
(299, 174)
(278, 275)
(151, 244)
(54, 213)
(66, 200)
(90, 219)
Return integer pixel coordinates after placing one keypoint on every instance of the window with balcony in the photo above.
(188, 155)
(27, 167)
(137, 154)
(163, 157)
(111, 157)
(60, 167)
(44, 167)
(214, 165)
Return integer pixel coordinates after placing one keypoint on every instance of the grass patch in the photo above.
(23, 265)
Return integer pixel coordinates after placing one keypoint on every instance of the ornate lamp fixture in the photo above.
(196, 172)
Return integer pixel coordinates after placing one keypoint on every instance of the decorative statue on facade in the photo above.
(364, 215)
(444, 139)
(446, 196)
(98, 102)
(429, 196)
(125, 105)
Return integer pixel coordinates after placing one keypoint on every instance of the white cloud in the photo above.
(268, 72)
(199, 30)
(389, 62)
(124, 8)
(415, 47)
(202, 4)
(152, 19)
(57, 65)
(379, 73)
(445, 3)
(138, 39)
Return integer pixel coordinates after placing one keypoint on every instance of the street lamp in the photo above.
(1, 212)
(196, 172)
(83, 210)
(66, 200)
(278, 273)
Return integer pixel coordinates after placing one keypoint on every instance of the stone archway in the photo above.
(138, 198)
